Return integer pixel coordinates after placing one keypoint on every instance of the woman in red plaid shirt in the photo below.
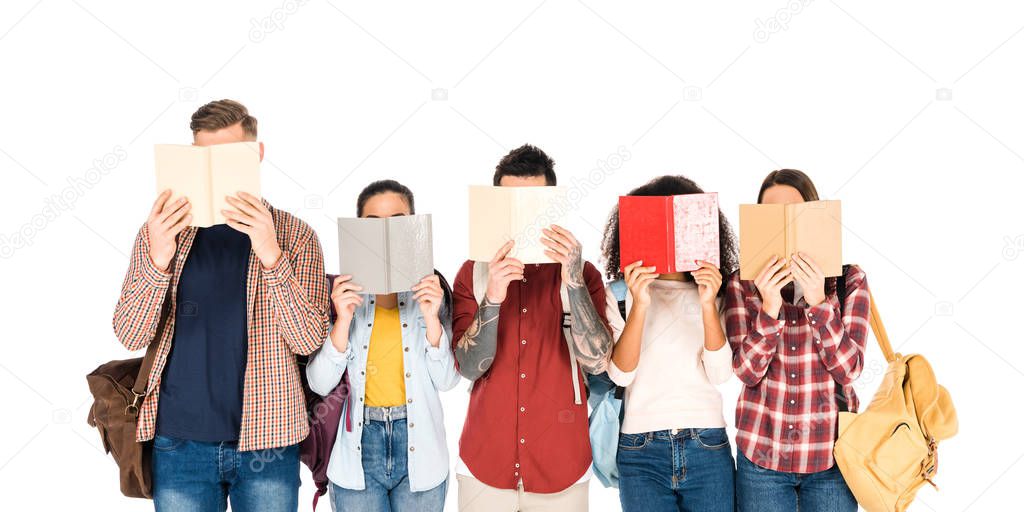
(797, 348)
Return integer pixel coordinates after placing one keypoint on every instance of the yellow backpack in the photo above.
(889, 451)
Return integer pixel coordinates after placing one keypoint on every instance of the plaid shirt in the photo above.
(786, 415)
(286, 315)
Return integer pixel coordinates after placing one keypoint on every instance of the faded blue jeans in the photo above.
(764, 490)
(385, 447)
(194, 476)
(691, 470)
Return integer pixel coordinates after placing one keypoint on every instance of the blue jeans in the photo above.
(764, 490)
(385, 448)
(196, 476)
(691, 470)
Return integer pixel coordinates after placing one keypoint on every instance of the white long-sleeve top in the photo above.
(674, 383)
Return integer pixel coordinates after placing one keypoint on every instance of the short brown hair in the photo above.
(220, 114)
(792, 177)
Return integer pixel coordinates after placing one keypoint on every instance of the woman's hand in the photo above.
(770, 282)
(810, 277)
(429, 295)
(709, 281)
(638, 278)
(345, 298)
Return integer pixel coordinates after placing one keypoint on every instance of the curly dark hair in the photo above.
(668, 186)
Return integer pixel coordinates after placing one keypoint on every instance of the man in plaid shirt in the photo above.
(246, 297)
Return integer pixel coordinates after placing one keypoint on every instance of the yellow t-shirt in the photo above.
(385, 385)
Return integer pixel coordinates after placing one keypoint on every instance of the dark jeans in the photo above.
(193, 476)
(764, 490)
(385, 447)
(691, 470)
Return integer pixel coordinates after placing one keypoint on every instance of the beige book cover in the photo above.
(205, 174)
(813, 228)
(500, 214)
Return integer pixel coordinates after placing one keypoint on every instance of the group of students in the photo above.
(247, 297)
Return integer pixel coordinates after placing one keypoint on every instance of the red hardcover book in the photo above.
(669, 232)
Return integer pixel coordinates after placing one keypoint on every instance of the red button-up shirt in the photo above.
(522, 422)
(786, 414)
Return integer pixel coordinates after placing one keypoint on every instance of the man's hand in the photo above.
(565, 249)
(810, 276)
(770, 282)
(165, 221)
(345, 298)
(429, 295)
(255, 220)
(500, 272)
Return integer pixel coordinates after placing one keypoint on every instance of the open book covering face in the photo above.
(207, 174)
(387, 254)
(500, 214)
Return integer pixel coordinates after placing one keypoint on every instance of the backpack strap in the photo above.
(879, 330)
(563, 290)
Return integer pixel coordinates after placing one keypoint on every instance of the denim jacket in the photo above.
(428, 370)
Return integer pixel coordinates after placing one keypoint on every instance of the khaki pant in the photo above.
(475, 496)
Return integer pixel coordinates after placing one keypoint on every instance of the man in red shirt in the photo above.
(525, 443)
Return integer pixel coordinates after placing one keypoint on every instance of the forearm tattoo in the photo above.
(591, 337)
(477, 346)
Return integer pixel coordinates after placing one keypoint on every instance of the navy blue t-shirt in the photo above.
(201, 389)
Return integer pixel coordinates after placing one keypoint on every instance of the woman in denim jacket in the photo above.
(396, 349)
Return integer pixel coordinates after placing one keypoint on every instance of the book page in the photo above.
(817, 231)
(490, 214)
(762, 235)
(696, 230)
(362, 253)
(410, 251)
(233, 167)
(185, 170)
(534, 209)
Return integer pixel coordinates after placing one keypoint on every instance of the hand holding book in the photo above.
(166, 219)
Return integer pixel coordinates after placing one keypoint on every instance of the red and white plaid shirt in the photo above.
(787, 412)
(286, 315)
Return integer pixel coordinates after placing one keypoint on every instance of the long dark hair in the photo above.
(668, 186)
(803, 184)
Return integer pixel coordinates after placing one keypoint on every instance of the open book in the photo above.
(386, 255)
(813, 228)
(669, 232)
(205, 174)
(500, 214)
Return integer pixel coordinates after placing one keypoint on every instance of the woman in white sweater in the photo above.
(670, 354)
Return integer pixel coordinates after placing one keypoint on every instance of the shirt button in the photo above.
(523, 440)
(409, 401)
(524, 279)
(369, 325)
(406, 349)
(817, 342)
(359, 447)
(360, 399)
(364, 347)
(411, 425)
(401, 303)
(524, 342)
(522, 409)
(792, 375)
(517, 473)
(517, 464)
(794, 322)
(524, 310)
(792, 401)
(792, 348)
(813, 322)
(405, 325)
(408, 374)
(791, 427)
(522, 375)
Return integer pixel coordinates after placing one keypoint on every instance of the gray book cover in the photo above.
(386, 255)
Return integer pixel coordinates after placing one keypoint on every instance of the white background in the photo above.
(910, 113)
